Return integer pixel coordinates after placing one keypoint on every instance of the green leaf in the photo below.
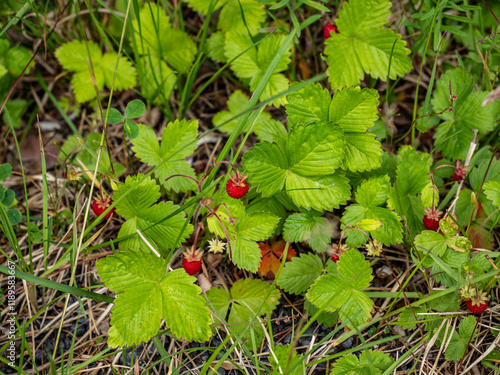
(344, 291)
(83, 84)
(430, 196)
(287, 361)
(349, 364)
(369, 224)
(354, 109)
(202, 6)
(156, 222)
(459, 243)
(316, 149)
(266, 165)
(245, 66)
(14, 216)
(146, 294)
(150, 31)
(430, 240)
(459, 341)
(277, 84)
(246, 254)
(16, 60)
(231, 16)
(363, 152)
(269, 130)
(247, 298)
(454, 135)
(74, 55)
(407, 318)
(215, 46)
(268, 49)
(412, 176)
(364, 45)
(311, 227)
(5, 171)
(13, 111)
(179, 50)
(131, 128)
(178, 142)
(157, 78)
(114, 116)
(319, 193)
(491, 189)
(257, 226)
(309, 104)
(126, 77)
(370, 195)
(298, 274)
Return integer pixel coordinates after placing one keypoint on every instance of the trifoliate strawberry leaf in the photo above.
(311, 227)
(147, 294)
(454, 135)
(309, 104)
(371, 194)
(344, 290)
(412, 176)
(257, 226)
(245, 254)
(74, 55)
(247, 298)
(241, 15)
(298, 274)
(367, 363)
(271, 205)
(492, 191)
(459, 341)
(125, 73)
(362, 45)
(178, 142)
(155, 221)
(285, 362)
(307, 165)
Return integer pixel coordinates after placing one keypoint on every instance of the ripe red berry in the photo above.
(335, 257)
(101, 204)
(431, 224)
(192, 268)
(192, 261)
(328, 29)
(237, 187)
(477, 309)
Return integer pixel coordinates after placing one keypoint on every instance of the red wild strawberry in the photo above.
(335, 257)
(431, 219)
(101, 204)
(477, 305)
(192, 261)
(237, 187)
(460, 172)
(328, 29)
